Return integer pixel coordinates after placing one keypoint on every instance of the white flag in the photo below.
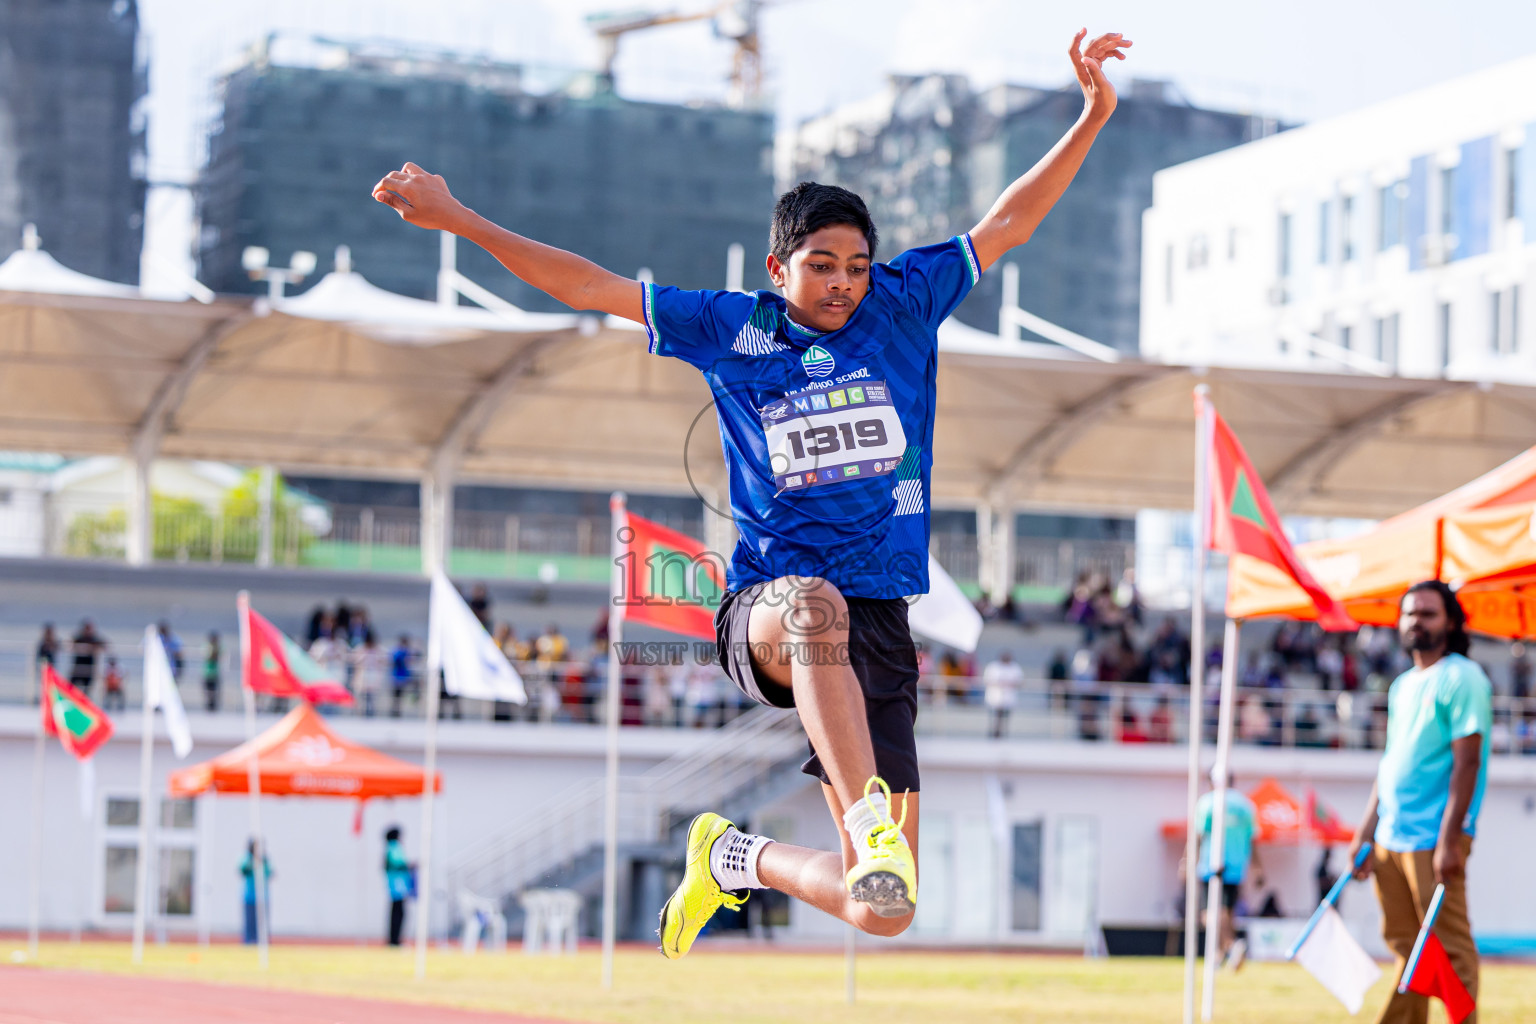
(473, 666)
(1337, 961)
(160, 692)
(944, 613)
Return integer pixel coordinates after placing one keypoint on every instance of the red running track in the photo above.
(35, 996)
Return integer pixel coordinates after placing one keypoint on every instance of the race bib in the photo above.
(818, 437)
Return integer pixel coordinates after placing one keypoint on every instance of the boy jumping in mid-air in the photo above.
(825, 396)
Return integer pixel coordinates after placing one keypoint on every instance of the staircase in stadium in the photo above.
(741, 767)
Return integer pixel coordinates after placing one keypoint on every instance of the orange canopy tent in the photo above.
(301, 756)
(1284, 821)
(1480, 537)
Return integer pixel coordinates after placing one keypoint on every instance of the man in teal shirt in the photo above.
(399, 878)
(1423, 810)
(1237, 852)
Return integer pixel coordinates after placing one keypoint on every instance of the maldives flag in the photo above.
(669, 580)
(69, 714)
(275, 664)
(1244, 522)
(1433, 975)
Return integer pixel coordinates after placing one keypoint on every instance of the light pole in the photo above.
(256, 261)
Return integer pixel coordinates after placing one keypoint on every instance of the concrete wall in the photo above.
(1099, 808)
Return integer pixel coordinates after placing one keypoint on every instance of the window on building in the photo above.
(1386, 339)
(1199, 252)
(1324, 224)
(176, 878)
(178, 814)
(1511, 183)
(122, 812)
(1444, 335)
(1025, 915)
(1283, 256)
(119, 878)
(1347, 227)
(1504, 320)
(1347, 338)
(1447, 200)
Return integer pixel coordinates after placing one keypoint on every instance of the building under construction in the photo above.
(931, 154)
(629, 185)
(72, 132)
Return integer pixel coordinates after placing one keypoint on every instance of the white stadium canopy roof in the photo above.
(352, 380)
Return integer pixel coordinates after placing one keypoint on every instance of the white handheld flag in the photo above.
(1336, 960)
(160, 692)
(473, 666)
(944, 613)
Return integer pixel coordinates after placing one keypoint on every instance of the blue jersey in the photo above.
(828, 438)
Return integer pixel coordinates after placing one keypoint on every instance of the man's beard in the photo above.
(1423, 640)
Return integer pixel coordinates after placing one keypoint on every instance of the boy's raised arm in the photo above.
(1024, 204)
(423, 199)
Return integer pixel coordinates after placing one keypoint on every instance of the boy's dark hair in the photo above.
(809, 207)
(1456, 639)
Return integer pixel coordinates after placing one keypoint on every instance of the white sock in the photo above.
(863, 818)
(733, 859)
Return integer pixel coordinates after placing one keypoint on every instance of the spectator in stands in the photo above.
(952, 673)
(402, 670)
(1170, 649)
(358, 627)
(318, 626)
(658, 701)
(48, 647)
(1160, 722)
(333, 654)
(112, 676)
(1130, 730)
(1058, 672)
(369, 664)
(1253, 722)
(677, 690)
(480, 604)
(553, 648)
(85, 646)
(1001, 681)
(172, 644)
(1128, 598)
(703, 696)
(212, 669)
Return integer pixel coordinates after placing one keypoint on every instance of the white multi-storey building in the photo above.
(1398, 239)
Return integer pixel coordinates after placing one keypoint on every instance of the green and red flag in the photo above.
(277, 665)
(1243, 521)
(69, 714)
(669, 580)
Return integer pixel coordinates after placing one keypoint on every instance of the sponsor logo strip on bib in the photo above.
(819, 437)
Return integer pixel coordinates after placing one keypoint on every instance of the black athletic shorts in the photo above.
(883, 657)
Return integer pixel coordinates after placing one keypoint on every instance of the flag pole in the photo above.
(39, 764)
(616, 507)
(1328, 901)
(1196, 690)
(1229, 657)
(433, 684)
(253, 779)
(146, 765)
(1418, 944)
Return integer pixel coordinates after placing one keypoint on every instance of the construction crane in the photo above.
(736, 20)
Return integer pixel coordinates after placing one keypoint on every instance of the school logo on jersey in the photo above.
(818, 362)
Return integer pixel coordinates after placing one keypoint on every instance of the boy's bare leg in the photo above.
(816, 876)
(797, 618)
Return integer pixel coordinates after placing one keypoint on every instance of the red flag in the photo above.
(275, 664)
(670, 580)
(1244, 522)
(1434, 976)
(80, 725)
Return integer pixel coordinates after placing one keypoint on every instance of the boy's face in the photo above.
(826, 278)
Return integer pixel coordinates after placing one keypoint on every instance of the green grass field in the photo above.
(804, 988)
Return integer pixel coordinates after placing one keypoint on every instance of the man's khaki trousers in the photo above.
(1405, 883)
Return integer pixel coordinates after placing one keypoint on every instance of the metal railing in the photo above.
(570, 824)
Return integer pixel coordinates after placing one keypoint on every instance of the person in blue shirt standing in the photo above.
(1240, 825)
(1423, 809)
(398, 878)
(825, 396)
(248, 876)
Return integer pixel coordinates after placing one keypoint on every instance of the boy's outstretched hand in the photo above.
(420, 198)
(1089, 65)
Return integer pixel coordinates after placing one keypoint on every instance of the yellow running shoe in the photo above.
(699, 895)
(885, 877)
